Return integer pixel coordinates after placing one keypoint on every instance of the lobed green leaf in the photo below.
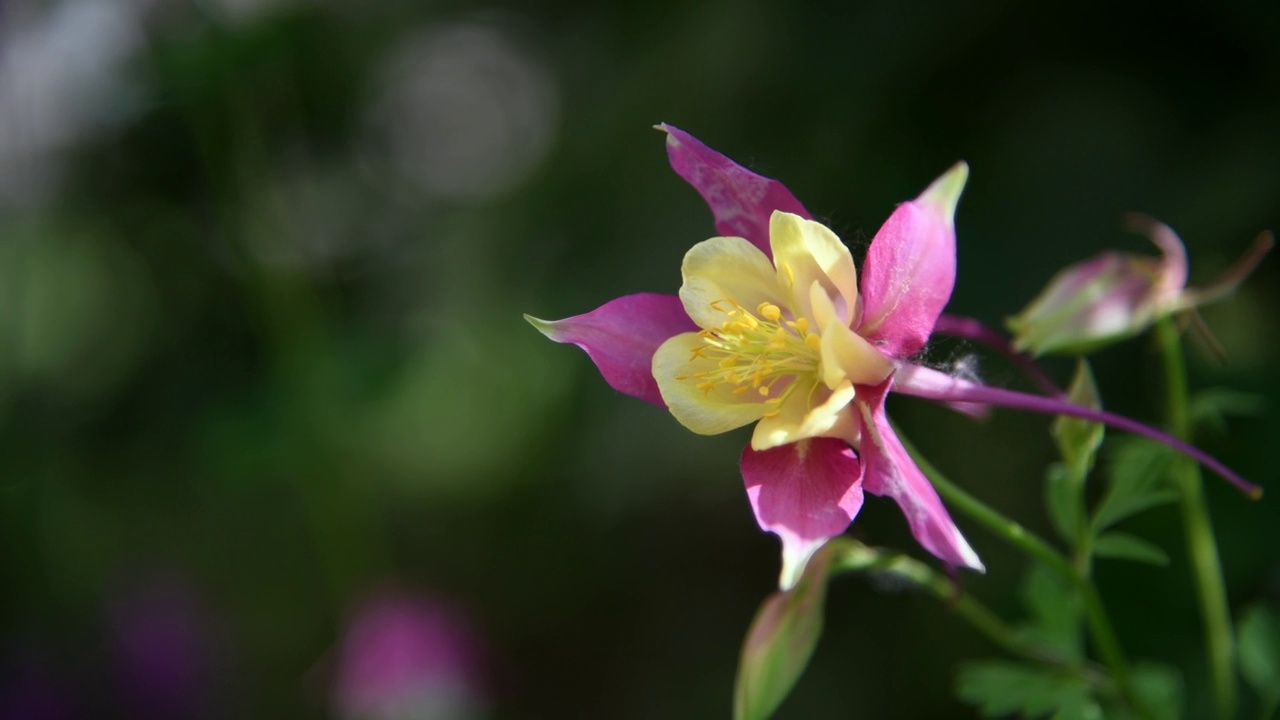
(999, 687)
(1122, 546)
(1139, 480)
(1053, 607)
(1211, 407)
(1064, 503)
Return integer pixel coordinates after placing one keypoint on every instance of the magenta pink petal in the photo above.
(1173, 266)
(889, 471)
(805, 493)
(621, 337)
(741, 200)
(907, 278)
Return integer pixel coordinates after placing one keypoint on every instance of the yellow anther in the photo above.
(754, 351)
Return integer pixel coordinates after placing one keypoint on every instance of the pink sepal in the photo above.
(621, 337)
(889, 471)
(805, 493)
(740, 200)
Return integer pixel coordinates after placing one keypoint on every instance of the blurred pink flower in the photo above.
(407, 657)
(162, 649)
(30, 686)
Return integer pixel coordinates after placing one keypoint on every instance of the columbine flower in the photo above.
(772, 326)
(780, 334)
(1114, 295)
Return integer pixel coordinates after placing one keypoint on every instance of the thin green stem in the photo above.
(855, 556)
(1100, 627)
(1201, 544)
(1084, 556)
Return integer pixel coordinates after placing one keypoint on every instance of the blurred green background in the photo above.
(262, 270)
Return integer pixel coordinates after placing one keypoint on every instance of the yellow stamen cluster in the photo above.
(756, 352)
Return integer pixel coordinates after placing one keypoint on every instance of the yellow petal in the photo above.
(810, 411)
(706, 412)
(821, 308)
(805, 252)
(726, 268)
(847, 356)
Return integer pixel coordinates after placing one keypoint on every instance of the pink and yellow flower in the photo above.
(773, 326)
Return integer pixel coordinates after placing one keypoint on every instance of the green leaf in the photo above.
(1121, 546)
(1139, 480)
(1211, 407)
(1079, 708)
(1258, 642)
(780, 642)
(1159, 689)
(1000, 687)
(1064, 503)
(1053, 607)
(1078, 440)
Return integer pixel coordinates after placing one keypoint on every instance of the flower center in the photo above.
(756, 351)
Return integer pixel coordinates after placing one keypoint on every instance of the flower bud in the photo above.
(1114, 295)
(1109, 297)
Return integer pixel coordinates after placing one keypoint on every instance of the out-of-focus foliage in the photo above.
(262, 270)
(1259, 646)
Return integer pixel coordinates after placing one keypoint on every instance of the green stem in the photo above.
(858, 557)
(1100, 628)
(1201, 545)
(1084, 555)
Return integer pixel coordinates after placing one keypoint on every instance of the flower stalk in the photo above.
(856, 557)
(1202, 547)
(1100, 627)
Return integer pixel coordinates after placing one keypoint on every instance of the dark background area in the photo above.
(262, 270)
